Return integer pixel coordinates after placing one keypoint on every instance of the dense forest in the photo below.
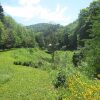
(80, 38)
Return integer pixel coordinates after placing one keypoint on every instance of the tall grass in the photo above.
(18, 82)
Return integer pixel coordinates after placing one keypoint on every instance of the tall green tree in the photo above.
(3, 36)
(1, 13)
(93, 44)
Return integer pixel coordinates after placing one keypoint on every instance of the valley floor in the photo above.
(19, 82)
(23, 83)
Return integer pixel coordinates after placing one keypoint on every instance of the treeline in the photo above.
(14, 35)
(60, 37)
(88, 31)
(82, 33)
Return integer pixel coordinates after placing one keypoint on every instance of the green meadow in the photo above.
(18, 82)
(23, 83)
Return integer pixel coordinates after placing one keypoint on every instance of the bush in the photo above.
(60, 80)
(25, 63)
(17, 62)
(29, 63)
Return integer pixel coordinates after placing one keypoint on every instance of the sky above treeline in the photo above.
(28, 12)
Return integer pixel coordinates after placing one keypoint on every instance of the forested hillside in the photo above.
(47, 61)
(89, 34)
(12, 34)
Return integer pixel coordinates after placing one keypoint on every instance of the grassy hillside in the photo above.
(35, 82)
(23, 83)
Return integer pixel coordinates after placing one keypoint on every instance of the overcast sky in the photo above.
(29, 12)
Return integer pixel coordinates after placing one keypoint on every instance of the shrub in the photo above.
(17, 62)
(28, 63)
(38, 64)
(60, 80)
(25, 63)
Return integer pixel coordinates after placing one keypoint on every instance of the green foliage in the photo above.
(1, 13)
(80, 86)
(60, 80)
(59, 36)
(18, 82)
(2, 34)
(21, 36)
(40, 35)
(45, 28)
(13, 34)
(94, 44)
(32, 58)
(72, 36)
(89, 35)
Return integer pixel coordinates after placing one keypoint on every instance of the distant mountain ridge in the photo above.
(43, 27)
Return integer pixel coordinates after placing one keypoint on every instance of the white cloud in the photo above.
(54, 16)
(31, 9)
(28, 2)
(22, 12)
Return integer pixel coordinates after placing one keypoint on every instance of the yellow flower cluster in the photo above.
(82, 89)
